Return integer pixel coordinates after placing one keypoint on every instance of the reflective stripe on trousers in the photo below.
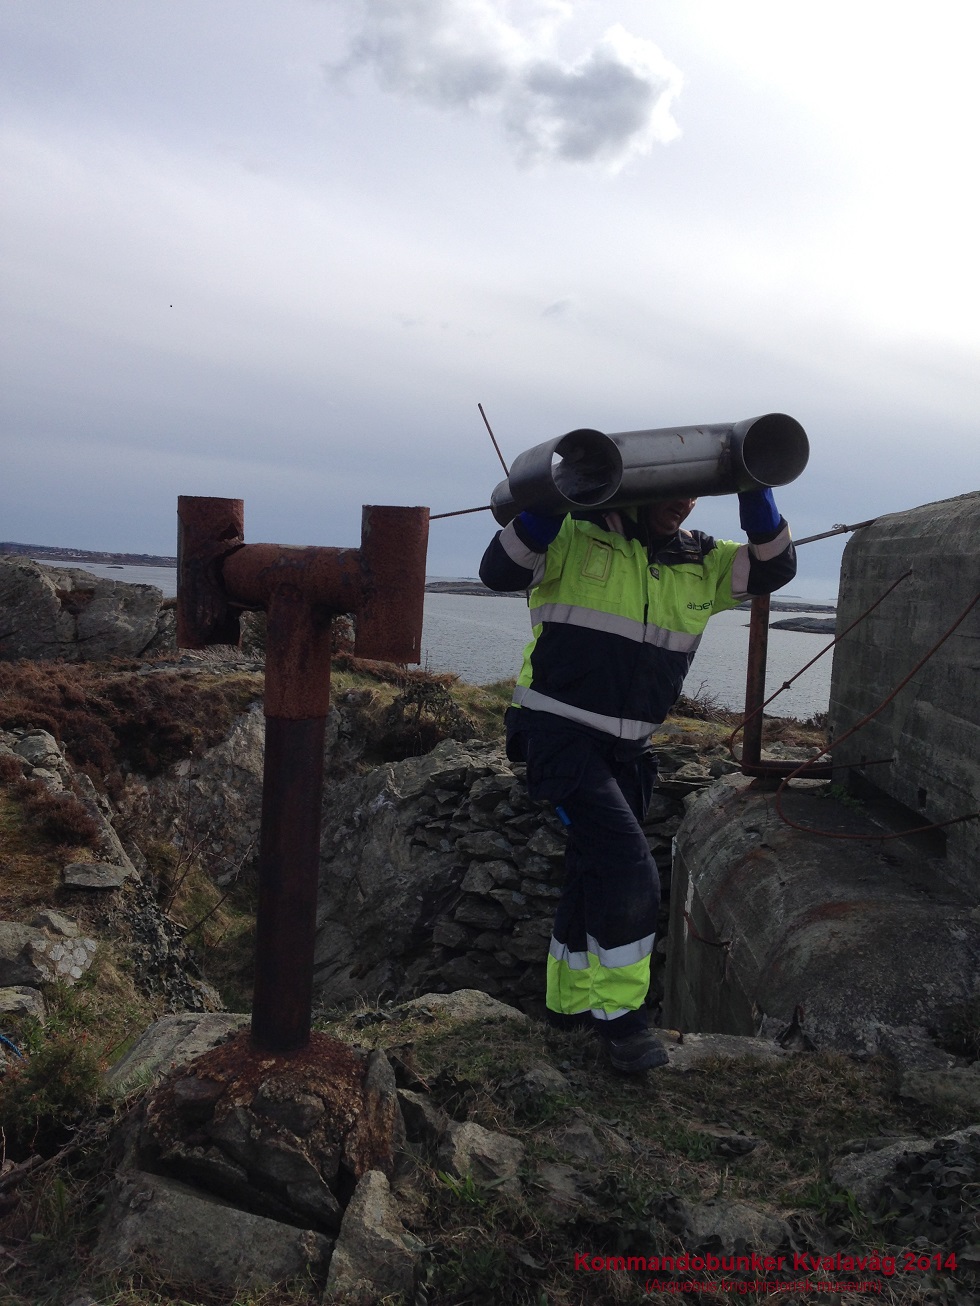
(593, 981)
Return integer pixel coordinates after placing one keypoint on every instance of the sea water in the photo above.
(480, 638)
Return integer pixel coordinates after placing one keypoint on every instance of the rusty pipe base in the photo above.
(289, 869)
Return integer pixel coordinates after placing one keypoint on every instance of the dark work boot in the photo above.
(636, 1052)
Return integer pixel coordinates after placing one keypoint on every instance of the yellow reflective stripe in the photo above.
(567, 991)
(621, 727)
(606, 991)
(571, 614)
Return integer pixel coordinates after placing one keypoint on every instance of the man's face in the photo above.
(665, 516)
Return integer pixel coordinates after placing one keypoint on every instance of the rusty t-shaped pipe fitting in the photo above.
(383, 584)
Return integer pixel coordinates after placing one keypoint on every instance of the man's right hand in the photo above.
(538, 528)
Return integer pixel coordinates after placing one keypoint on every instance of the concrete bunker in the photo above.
(854, 932)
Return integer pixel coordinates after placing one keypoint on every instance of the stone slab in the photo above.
(170, 1041)
(157, 1223)
(94, 875)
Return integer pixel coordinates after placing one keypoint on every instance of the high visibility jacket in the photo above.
(614, 628)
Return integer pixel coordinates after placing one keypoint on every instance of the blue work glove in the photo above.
(540, 529)
(757, 512)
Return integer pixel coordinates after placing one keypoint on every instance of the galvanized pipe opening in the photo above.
(774, 449)
(581, 469)
(588, 469)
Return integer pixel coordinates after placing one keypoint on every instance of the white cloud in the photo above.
(608, 106)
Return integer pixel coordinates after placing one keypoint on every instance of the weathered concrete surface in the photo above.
(932, 729)
(688, 1051)
(863, 936)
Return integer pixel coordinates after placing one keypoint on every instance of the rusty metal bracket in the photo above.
(382, 584)
(755, 700)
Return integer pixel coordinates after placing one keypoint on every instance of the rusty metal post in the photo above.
(383, 584)
(755, 683)
(755, 697)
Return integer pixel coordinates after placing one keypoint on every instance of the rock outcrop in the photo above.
(213, 802)
(50, 947)
(67, 613)
(242, 1168)
(154, 1221)
(437, 872)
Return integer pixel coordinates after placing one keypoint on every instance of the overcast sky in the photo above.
(279, 250)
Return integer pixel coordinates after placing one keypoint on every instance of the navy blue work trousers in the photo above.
(610, 898)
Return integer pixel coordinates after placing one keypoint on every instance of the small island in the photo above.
(467, 585)
(814, 625)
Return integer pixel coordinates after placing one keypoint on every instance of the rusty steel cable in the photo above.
(787, 683)
(837, 530)
(494, 440)
(900, 834)
(800, 770)
(460, 512)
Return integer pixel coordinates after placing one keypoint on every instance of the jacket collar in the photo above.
(681, 547)
(684, 546)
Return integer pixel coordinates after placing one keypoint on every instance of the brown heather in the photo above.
(111, 719)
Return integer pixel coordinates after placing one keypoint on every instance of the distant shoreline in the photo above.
(466, 586)
(39, 551)
(481, 591)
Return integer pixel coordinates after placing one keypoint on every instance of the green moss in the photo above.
(45, 1095)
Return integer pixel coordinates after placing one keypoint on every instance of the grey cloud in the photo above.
(449, 53)
(610, 105)
(592, 112)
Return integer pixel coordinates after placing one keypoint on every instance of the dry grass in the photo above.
(393, 712)
(109, 717)
(482, 1247)
(659, 1141)
(30, 864)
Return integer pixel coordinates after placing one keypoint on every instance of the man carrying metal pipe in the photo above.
(619, 599)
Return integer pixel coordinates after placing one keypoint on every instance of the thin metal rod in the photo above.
(804, 768)
(838, 530)
(460, 512)
(755, 709)
(494, 439)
